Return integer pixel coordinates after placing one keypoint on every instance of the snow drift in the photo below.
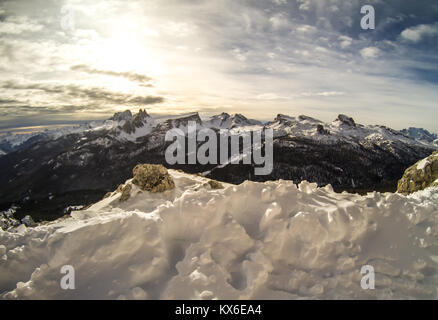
(269, 240)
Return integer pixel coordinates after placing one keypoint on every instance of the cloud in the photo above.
(18, 24)
(345, 41)
(370, 52)
(31, 110)
(239, 55)
(273, 96)
(8, 101)
(128, 75)
(418, 33)
(180, 29)
(92, 96)
(306, 29)
(300, 53)
(280, 21)
(304, 5)
(270, 96)
(279, 2)
(322, 94)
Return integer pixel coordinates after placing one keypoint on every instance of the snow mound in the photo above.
(270, 240)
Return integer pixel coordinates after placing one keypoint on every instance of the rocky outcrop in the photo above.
(126, 193)
(135, 122)
(28, 221)
(140, 118)
(119, 116)
(321, 130)
(152, 177)
(421, 175)
(8, 221)
(342, 118)
(215, 184)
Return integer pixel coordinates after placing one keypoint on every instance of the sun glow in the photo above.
(127, 48)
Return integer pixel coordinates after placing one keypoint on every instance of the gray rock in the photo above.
(28, 221)
(152, 177)
(421, 175)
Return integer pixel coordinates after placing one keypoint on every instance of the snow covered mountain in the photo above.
(342, 129)
(125, 126)
(76, 166)
(271, 240)
(226, 121)
(421, 134)
(122, 124)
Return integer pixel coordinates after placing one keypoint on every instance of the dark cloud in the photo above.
(8, 101)
(128, 75)
(92, 96)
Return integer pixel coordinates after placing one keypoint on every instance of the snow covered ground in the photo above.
(268, 240)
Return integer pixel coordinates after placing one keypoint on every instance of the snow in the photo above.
(342, 129)
(139, 132)
(269, 240)
(422, 164)
(161, 119)
(105, 125)
(236, 123)
(16, 139)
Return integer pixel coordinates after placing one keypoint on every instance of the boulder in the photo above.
(152, 177)
(421, 175)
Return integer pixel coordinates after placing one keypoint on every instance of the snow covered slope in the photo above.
(122, 125)
(421, 134)
(269, 240)
(347, 155)
(342, 129)
(235, 121)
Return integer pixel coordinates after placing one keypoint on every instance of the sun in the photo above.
(127, 48)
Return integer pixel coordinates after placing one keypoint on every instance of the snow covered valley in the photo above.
(270, 240)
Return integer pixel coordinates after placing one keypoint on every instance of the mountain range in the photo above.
(45, 172)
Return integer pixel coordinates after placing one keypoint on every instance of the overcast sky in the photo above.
(76, 59)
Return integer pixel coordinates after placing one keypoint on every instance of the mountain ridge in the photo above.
(51, 171)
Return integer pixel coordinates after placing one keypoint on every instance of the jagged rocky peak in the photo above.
(140, 118)
(190, 117)
(307, 118)
(182, 120)
(124, 115)
(223, 116)
(129, 123)
(238, 120)
(343, 119)
(142, 114)
(283, 118)
(239, 117)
